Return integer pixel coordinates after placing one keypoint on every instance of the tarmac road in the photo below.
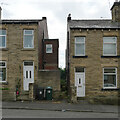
(19, 113)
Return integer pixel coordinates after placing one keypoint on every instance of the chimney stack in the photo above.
(0, 12)
(116, 11)
(69, 17)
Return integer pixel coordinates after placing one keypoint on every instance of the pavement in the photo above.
(60, 106)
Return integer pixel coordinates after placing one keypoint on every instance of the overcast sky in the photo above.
(56, 12)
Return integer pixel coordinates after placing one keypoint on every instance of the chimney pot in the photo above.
(69, 17)
(44, 18)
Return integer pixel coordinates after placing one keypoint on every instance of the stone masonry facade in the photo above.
(14, 55)
(93, 64)
(93, 61)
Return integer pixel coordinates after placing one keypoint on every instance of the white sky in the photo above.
(56, 12)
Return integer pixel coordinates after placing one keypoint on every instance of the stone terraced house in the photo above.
(93, 58)
(28, 58)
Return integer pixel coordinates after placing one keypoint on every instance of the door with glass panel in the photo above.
(80, 81)
(28, 73)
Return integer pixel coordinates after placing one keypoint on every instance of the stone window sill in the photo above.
(80, 56)
(3, 83)
(110, 89)
(118, 56)
(28, 49)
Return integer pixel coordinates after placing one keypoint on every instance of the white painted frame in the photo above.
(109, 43)
(28, 35)
(6, 71)
(110, 74)
(79, 43)
(23, 70)
(5, 38)
(79, 73)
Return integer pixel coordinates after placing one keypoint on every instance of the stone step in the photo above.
(23, 97)
(24, 93)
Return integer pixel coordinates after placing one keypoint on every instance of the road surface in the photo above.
(19, 113)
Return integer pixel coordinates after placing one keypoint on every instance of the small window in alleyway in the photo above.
(28, 41)
(79, 46)
(2, 38)
(49, 48)
(110, 77)
(110, 46)
(2, 71)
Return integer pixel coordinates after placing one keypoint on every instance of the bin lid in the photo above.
(48, 87)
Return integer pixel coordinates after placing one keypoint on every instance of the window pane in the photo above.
(28, 41)
(2, 32)
(79, 80)
(110, 39)
(109, 80)
(3, 74)
(79, 69)
(79, 39)
(28, 32)
(49, 48)
(30, 74)
(28, 63)
(2, 64)
(109, 70)
(26, 74)
(79, 49)
(2, 41)
(109, 49)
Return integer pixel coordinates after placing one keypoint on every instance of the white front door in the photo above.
(28, 74)
(80, 84)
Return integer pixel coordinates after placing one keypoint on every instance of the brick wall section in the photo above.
(42, 34)
(94, 63)
(15, 55)
(51, 59)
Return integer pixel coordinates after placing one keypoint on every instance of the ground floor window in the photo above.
(2, 71)
(110, 77)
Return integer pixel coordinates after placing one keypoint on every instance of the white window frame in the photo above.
(110, 43)
(49, 46)
(28, 35)
(110, 74)
(79, 43)
(5, 39)
(6, 71)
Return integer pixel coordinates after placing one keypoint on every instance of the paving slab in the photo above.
(60, 106)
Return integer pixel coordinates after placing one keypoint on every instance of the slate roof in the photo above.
(8, 21)
(107, 23)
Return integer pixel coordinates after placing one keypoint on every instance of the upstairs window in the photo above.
(48, 48)
(79, 46)
(2, 71)
(2, 38)
(110, 77)
(109, 46)
(28, 37)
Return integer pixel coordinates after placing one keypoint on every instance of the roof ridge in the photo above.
(21, 19)
(91, 20)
